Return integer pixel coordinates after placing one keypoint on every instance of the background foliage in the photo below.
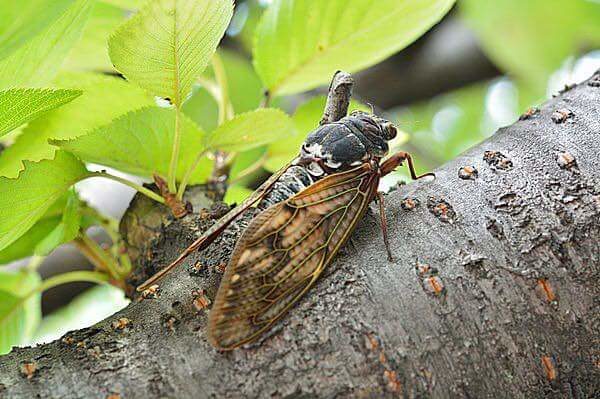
(193, 90)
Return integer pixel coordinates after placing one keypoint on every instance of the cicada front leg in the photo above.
(390, 164)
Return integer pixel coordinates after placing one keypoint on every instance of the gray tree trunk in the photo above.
(493, 291)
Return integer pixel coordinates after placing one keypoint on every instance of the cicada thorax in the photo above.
(332, 148)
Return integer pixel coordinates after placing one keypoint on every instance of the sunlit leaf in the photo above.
(530, 39)
(19, 106)
(24, 19)
(19, 317)
(251, 130)
(91, 51)
(104, 98)
(301, 43)
(25, 245)
(167, 45)
(306, 119)
(127, 4)
(25, 200)
(137, 142)
(38, 60)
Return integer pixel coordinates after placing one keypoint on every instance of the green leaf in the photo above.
(251, 130)
(306, 119)
(136, 143)
(25, 245)
(245, 91)
(25, 200)
(91, 52)
(167, 45)
(19, 316)
(236, 194)
(301, 43)
(246, 167)
(66, 230)
(18, 106)
(104, 99)
(23, 20)
(38, 60)
(530, 39)
(86, 309)
(127, 4)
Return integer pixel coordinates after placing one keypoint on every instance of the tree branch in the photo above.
(493, 292)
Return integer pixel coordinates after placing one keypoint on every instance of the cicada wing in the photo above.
(282, 253)
(211, 234)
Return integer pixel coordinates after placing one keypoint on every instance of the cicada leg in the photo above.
(396, 160)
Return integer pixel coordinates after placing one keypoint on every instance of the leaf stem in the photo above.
(211, 87)
(34, 262)
(71, 277)
(143, 190)
(99, 257)
(171, 178)
(188, 174)
(221, 169)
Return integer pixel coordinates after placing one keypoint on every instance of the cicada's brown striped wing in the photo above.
(283, 252)
(209, 236)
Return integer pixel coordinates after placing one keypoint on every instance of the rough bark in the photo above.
(493, 292)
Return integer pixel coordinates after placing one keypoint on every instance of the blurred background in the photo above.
(482, 66)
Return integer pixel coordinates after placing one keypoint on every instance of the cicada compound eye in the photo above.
(389, 131)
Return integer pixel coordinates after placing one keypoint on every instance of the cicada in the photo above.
(305, 214)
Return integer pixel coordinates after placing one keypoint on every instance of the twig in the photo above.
(338, 97)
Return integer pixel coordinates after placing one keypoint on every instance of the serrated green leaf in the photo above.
(251, 130)
(19, 317)
(104, 99)
(138, 143)
(530, 39)
(19, 106)
(90, 53)
(23, 20)
(167, 45)
(86, 309)
(301, 43)
(66, 230)
(306, 119)
(25, 200)
(38, 60)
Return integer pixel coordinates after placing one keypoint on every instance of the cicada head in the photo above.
(342, 145)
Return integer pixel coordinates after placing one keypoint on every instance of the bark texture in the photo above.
(493, 291)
